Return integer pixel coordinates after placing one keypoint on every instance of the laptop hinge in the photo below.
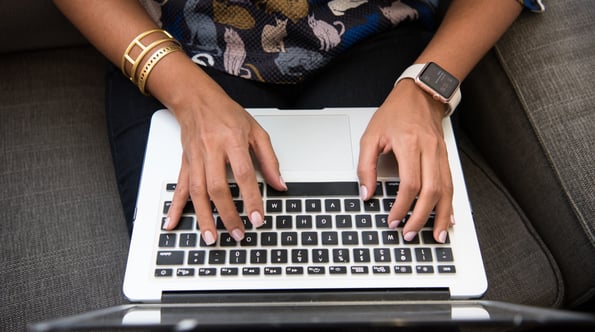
(352, 295)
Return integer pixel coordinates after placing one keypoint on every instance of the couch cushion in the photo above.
(550, 59)
(63, 237)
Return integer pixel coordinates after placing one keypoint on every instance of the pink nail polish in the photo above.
(208, 237)
(409, 236)
(394, 224)
(442, 237)
(256, 219)
(237, 235)
(363, 193)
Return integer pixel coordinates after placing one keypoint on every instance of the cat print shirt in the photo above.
(283, 41)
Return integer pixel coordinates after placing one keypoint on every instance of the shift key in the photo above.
(170, 257)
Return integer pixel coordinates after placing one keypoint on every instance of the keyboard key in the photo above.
(283, 222)
(329, 238)
(372, 205)
(332, 205)
(251, 271)
(289, 238)
(278, 256)
(425, 269)
(196, 257)
(337, 270)
(363, 221)
(164, 272)
(317, 270)
(312, 189)
(381, 269)
(324, 221)
(361, 255)
(343, 221)
(227, 240)
(313, 205)
(229, 271)
(299, 256)
(391, 187)
(274, 205)
(237, 257)
(188, 240)
(170, 187)
(349, 238)
(390, 237)
(293, 205)
(402, 255)
(250, 239)
(423, 254)
(444, 254)
(167, 240)
(185, 224)
(247, 223)
(268, 239)
(401, 269)
(234, 189)
(387, 204)
(272, 271)
(381, 255)
(359, 270)
(428, 238)
(446, 269)
(352, 205)
(258, 256)
(217, 257)
(320, 256)
(309, 238)
(294, 270)
(340, 255)
(381, 220)
(170, 258)
(184, 272)
(303, 221)
(370, 237)
(207, 272)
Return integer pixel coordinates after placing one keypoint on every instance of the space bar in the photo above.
(316, 189)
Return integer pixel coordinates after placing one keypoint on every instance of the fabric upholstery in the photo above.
(63, 239)
(539, 136)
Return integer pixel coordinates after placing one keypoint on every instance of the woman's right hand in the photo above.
(216, 132)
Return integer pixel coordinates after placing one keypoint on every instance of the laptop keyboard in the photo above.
(312, 229)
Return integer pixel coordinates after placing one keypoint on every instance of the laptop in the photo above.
(324, 258)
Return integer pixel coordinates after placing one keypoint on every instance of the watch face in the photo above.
(439, 80)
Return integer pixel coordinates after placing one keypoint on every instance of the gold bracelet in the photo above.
(150, 64)
(137, 41)
(141, 57)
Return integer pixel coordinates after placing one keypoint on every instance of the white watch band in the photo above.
(413, 72)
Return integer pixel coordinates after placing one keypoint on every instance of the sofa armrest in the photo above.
(34, 25)
(532, 114)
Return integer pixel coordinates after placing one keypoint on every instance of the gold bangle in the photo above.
(141, 56)
(150, 64)
(137, 41)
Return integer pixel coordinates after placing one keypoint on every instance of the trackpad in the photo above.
(310, 142)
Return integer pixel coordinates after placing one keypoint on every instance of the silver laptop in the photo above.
(305, 244)
(323, 259)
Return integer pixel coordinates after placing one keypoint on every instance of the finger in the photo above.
(409, 186)
(267, 161)
(245, 176)
(444, 212)
(179, 199)
(218, 191)
(367, 166)
(200, 200)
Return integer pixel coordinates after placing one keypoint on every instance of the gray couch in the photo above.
(526, 135)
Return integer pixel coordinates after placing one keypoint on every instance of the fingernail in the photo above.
(237, 235)
(452, 219)
(166, 223)
(409, 236)
(208, 237)
(283, 182)
(363, 192)
(256, 219)
(394, 224)
(442, 237)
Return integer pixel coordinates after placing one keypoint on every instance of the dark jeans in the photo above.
(362, 77)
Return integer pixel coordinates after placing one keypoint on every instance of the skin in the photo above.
(216, 131)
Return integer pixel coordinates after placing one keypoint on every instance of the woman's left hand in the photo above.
(409, 124)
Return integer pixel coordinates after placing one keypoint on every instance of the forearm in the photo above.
(469, 29)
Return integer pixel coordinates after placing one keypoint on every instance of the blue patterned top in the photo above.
(283, 41)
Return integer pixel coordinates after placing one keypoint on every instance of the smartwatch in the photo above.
(436, 81)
